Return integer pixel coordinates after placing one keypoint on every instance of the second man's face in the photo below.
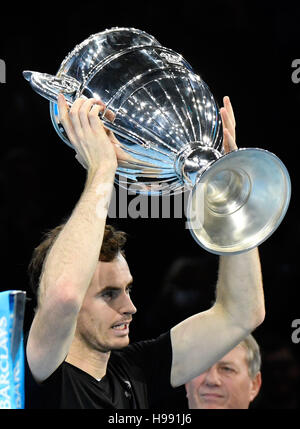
(226, 384)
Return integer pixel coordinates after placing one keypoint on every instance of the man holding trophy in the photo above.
(78, 351)
(85, 308)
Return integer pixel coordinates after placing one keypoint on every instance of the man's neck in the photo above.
(89, 360)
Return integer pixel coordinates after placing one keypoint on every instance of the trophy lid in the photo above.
(101, 46)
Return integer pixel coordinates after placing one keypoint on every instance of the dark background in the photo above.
(241, 49)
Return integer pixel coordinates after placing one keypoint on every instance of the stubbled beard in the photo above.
(93, 343)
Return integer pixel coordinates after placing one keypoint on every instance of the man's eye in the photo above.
(227, 369)
(108, 294)
(129, 289)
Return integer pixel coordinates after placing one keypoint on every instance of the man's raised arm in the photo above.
(202, 339)
(71, 262)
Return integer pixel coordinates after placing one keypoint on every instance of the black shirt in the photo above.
(135, 376)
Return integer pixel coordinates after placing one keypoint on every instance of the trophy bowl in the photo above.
(169, 127)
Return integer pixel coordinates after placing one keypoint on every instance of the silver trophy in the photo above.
(169, 127)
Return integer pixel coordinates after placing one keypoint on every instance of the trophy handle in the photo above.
(49, 86)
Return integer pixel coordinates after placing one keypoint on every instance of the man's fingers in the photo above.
(63, 110)
(228, 141)
(82, 119)
(109, 115)
(226, 119)
(95, 122)
(76, 117)
(229, 109)
(90, 108)
(227, 122)
(225, 141)
(63, 107)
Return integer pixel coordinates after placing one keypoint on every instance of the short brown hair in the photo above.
(113, 243)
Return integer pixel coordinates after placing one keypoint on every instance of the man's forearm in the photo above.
(239, 288)
(199, 341)
(73, 258)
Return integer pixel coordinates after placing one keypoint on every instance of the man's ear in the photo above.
(256, 384)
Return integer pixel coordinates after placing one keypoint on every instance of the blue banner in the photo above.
(12, 306)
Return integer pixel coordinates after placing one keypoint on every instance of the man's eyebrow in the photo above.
(110, 288)
(116, 287)
(226, 362)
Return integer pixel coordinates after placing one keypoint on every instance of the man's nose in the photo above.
(212, 377)
(127, 306)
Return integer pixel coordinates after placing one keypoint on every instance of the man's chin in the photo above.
(213, 407)
(113, 344)
(213, 404)
(120, 342)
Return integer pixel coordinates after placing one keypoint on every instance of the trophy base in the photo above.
(239, 201)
